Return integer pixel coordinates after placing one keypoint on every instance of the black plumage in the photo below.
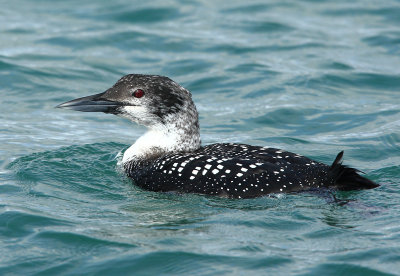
(240, 171)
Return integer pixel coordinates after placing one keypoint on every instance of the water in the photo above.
(313, 77)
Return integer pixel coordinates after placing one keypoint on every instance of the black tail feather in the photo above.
(346, 178)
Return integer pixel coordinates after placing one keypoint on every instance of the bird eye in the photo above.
(138, 93)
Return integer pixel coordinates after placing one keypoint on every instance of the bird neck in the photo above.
(178, 132)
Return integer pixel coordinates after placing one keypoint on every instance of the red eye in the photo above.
(138, 93)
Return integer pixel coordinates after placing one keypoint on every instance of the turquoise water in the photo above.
(313, 77)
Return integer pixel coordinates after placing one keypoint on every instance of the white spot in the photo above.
(282, 170)
(219, 161)
(192, 177)
(220, 167)
(244, 169)
(239, 174)
(215, 171)
(252, 166)
(195, 172)
(228, 171)
(208, 166)
(180, 169)
(275, 172)
(175, 164)
(279, 156)
(239, 164)
(204, 172)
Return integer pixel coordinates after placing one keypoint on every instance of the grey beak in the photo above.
(93, 103)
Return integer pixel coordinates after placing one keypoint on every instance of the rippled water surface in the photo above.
(313, 77)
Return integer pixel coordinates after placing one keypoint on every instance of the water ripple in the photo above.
(313, 77)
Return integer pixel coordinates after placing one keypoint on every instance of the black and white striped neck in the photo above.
(179, 132)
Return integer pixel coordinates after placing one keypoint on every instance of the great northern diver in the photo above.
(169, 156)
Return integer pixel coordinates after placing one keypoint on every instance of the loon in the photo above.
(169, 157)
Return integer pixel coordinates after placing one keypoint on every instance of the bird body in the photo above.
(169, 156)
(232, 170)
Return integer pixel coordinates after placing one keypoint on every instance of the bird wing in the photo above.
(234, 170)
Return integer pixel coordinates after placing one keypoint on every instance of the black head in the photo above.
(145, 99)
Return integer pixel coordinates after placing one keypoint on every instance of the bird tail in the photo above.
(346, 178)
